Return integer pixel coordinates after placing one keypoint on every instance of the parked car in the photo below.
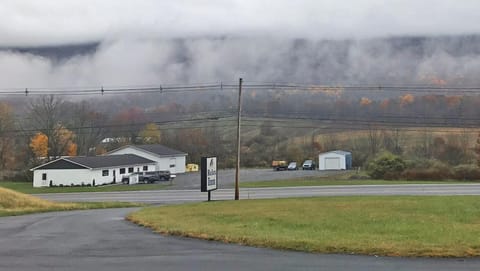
(308, 165)
(292, 166)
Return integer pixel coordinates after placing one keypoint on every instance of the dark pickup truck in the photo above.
(155, 176)
(149, 176)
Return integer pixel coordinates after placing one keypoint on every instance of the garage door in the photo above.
(173, 164)
(332, 163)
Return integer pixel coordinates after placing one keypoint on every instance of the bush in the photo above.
(466, 172)
(386, 166)
(426, 169)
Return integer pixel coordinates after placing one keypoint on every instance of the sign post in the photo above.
(209, 180)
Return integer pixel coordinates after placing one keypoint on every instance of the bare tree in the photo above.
(90, 127)
(374, 139)
(7, 141)
(45, 116)
(392, 141)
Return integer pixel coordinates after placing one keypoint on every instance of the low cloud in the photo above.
(198, 60)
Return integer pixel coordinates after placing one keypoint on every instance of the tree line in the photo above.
(278, 124)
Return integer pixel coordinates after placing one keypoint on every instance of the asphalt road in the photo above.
(178, 196)
(226, 177)
(103, 240)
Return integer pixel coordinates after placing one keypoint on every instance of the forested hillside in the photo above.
(416, 97)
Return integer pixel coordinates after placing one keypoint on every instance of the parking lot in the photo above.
(226, 178)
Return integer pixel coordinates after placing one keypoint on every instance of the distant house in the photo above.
(335, 160)
(92, 170)
(165, 158)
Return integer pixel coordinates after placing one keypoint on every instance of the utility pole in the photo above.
(239, 114)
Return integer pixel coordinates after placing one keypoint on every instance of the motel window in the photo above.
(44, 176)
(130, 169)
(145, 168)
(105, 172)
(122, 171)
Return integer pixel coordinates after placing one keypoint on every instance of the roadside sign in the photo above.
(209, 177)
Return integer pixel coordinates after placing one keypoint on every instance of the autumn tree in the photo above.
(406, 100)
(63, 143)
(39, 145)
(150, 134)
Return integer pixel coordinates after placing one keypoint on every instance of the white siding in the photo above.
(67, 177)
(163, 162)
(331, 161)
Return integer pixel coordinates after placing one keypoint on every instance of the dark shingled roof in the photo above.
(158, 149)
(96, 162)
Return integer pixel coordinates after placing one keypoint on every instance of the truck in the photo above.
(148, 177)
(279, 165)
(154, 176)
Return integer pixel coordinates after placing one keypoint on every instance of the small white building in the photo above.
(165, 158)
(89, 170)
(335, 160)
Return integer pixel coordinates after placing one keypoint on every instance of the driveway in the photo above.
(103, 240)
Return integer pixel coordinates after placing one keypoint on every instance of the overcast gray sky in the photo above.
(236, 38)
(47, 22)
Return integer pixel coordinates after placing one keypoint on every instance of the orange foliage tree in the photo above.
(365, 101)
(406, 99)
(64, 141)
(61, 143)
(39, 145)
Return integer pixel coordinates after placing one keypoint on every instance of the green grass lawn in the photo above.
(427, 226)
(315, 181)
(26, 187)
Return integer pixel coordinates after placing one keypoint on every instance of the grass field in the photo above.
(26, 187)
(436, 226)
(15, 203)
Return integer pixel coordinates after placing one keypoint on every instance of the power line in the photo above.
(69, 91)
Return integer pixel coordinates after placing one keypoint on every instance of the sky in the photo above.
(47, 22)
(226, 39)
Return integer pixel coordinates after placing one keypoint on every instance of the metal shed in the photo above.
(335, 160)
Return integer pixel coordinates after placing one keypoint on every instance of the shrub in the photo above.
(386, 166)
(466, 172)
(426, 169)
